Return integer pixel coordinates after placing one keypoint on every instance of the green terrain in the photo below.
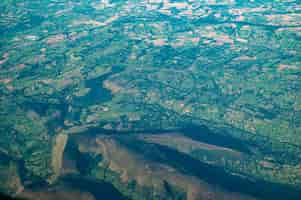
(160, 99)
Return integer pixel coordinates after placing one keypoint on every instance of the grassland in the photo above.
(216, 81)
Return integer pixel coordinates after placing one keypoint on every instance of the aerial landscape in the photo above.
(150, 99)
